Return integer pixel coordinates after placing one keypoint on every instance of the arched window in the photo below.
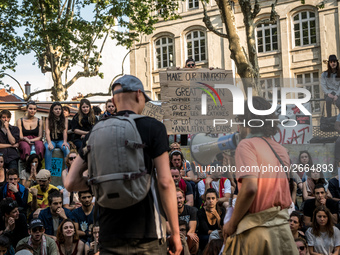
(164, 52)
(304, 25)
(267, 38)
(196, 45)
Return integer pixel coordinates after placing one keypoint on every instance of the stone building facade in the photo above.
(292, 52)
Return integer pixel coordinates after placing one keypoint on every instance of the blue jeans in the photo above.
(48, 153)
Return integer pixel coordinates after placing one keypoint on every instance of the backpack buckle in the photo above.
(91, 181)
(131, 176)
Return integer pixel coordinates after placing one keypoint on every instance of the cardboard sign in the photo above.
(182, 92)
(154, 110)
(299, 134)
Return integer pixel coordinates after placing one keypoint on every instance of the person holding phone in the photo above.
(28, 175)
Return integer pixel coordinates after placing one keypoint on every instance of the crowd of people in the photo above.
(33, 212)
(37, 216)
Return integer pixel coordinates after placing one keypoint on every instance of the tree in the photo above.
(62, 34)
(245, 61)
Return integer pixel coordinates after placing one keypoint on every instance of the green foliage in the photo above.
(62, 33)
(10, 44)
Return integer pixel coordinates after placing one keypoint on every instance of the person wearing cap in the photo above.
(15, 190)
(41, 244)
(38, 196)
(330, 84)
(124, 229)
(53, 215)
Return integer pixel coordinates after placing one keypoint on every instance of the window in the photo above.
(310, 81)
(266, 38)
(196, 45)
(304, 28)
(192, 4)
(267, 85)
(164, 52)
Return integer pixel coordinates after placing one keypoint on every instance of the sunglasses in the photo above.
(71, 158)
(191, 65)
(301, 248)
(13, 204)
(40, 229)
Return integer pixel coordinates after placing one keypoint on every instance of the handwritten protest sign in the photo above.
(182, 92)
(57, 166)
(298, 130)
(154, 110)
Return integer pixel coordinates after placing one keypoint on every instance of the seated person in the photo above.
(177, 160)
(29, 174)
(190, 246)
(12, 222)
(301, 244)
(24, 247)
(334, 188)
(330, 84)
(38, 197)
(323, 237)
(210, 217)
(53, 215)
(314, 178)
(187, 213)
(183, 185)
(213, 247)
(221, 185)
(42, 244)
(109, 110)
(320, 199)
(93, 246)
(31, 133)
(15, 190)
(295, 224)
(83, 216)
(9, 140)
(68, 241)
(337, 144)
(5, 245)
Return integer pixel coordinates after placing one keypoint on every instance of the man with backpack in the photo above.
(140, 227)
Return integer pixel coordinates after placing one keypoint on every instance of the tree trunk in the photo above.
(59, 92)
(244, 67)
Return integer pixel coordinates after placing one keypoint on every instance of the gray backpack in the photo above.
(116, 165)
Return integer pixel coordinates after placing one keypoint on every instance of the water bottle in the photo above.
(33, 149)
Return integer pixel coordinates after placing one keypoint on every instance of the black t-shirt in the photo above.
(310, 206)
(189, 214)
(189, 190)
(85, 125)
(333, 186)
(140, 220)
(203, 224)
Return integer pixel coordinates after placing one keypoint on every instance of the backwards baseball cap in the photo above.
(36, 223)
(332, 58)
(129, 83)
(43, 175)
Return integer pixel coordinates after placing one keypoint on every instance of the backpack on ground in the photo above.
(116, 165)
